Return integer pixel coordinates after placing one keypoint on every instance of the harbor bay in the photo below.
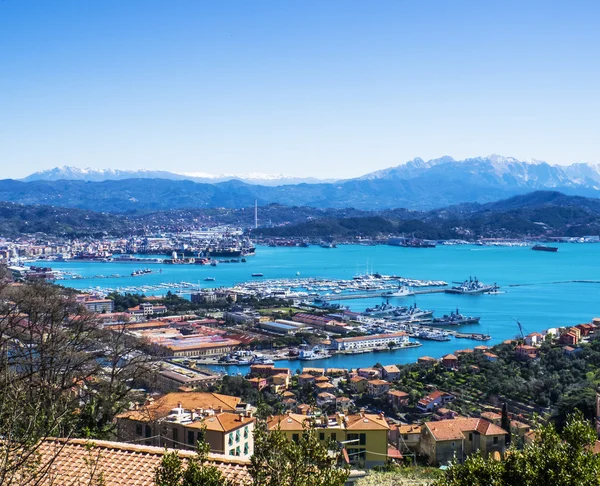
(539, 289)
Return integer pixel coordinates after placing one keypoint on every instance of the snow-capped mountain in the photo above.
(416, 184)
(494, 170)
(96, 175)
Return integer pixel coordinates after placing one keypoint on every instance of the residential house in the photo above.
(443, 413)
(314, 371)
(179, 420)
(492, 417)
(325, 398)
(268, 370)
(569, 338)
(524, 352)
(534, 339)
(449, 440)
(490, 356)
(358, 384)
(281, 382)
(391, 373)
(519, 429)
(586, 329)
(377, 388)
(305, 378)
(258, 383)
(426, 361)
(450, 362)
(343, 403)
(369, 373)
(571, 351)
(325, 387)
(433, 401)
(407, 438)
(397, 398)
(365, 435)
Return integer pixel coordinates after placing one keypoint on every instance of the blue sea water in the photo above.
(542, 290)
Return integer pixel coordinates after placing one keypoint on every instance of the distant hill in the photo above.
(415, 185)
(541, 213)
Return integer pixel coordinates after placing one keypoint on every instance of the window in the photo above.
(333, 436)
(148, 431)
(321, 435)
(201, 437)
(453, 445)
(230, 439)
(237, 451)
(405, 436)
(470, 437)
(495, 440)
(237, 435)
(363, 439)
(138, 429)
(190, 437)
(246, 449)
(246, 432)
(175, 436)
(295, 437)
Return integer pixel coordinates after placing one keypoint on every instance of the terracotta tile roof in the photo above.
(491, 416)
(398, 393)
(290, 421)
(367, 422)
(454, 429)
(119, 463)
(450, 356)
(378, 382)
(391, 369)
(221, 422)
(189, 400)
(409, 429)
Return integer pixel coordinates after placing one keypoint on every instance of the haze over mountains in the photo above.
(69, 173)
(417, 184)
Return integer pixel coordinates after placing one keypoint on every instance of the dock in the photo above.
(371, 295)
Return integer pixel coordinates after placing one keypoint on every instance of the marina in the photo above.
(531, 290)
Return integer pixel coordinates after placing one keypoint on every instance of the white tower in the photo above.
(255, 213)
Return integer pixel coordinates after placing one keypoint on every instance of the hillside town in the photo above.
(430, 413)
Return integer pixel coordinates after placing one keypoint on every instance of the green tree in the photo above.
(278, 461)
(197, 471)
(557, 459)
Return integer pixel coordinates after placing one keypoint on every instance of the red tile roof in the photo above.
(120, 464)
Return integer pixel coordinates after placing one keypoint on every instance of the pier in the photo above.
(370, 295)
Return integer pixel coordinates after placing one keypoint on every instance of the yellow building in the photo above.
(364, 436)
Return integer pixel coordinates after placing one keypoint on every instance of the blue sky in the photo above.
(311, 88)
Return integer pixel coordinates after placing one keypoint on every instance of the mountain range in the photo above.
(416, 184)
(69, 173)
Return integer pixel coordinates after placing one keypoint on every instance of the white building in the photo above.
(374, 341)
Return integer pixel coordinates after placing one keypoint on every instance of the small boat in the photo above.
(545, 248)
(209, 279)
(258, 275)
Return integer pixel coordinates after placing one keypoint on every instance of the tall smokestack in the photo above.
(256, 214)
